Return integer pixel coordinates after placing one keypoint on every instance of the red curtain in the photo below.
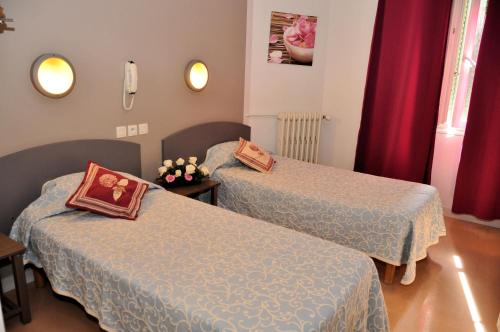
(477, 190)
(401, 103)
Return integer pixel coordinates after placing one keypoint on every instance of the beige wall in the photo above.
(273, 88)
(98, 37)
(333, 85)
(349, 42)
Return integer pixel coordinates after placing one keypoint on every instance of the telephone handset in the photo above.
(131, 77)
(129, 84)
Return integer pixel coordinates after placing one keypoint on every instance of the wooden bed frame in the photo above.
(23, 173)
(196, 140)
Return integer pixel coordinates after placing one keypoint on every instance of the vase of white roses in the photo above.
(181, 173)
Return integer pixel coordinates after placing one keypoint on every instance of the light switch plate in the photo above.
(121, 132)
(143, 128)
(132, 130)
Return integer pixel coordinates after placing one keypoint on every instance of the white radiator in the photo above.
(298, 135)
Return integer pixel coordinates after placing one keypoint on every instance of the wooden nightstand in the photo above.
(12, 250)
(198, 189)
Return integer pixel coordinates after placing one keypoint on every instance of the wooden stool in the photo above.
(12, 250)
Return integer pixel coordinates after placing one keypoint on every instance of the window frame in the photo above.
(458, 66)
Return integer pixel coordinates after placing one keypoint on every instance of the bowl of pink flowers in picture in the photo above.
(181, 173)
(292, 38)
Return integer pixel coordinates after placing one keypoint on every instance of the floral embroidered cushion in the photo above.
(109, 193)
(254, 156)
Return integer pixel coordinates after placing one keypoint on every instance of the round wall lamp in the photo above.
(53, 75)
(196, 75)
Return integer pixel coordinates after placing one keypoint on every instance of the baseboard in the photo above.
(8, 277)
(466, 217)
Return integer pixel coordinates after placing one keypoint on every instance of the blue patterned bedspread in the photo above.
(187, 266)
(392, 220)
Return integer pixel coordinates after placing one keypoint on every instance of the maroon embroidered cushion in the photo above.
(109, 193)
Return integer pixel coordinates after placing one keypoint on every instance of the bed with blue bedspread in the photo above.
(187, 266)
(392, 220)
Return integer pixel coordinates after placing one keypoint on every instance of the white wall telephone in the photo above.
(129, 84)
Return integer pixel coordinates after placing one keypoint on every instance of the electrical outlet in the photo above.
(143, 128)
(132, 130)
(121, 132)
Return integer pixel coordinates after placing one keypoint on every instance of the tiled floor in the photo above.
(434, 302)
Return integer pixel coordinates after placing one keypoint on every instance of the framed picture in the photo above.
(291, 39)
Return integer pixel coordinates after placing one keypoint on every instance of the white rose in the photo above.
(167, 163)
(190, 169)
(193, 160)
(178, 173)
(204, 170)
(179, 162)
(162, 170)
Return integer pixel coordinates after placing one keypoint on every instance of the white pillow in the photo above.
(221, 155)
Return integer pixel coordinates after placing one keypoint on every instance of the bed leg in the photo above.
(389, 272)
(39, 277)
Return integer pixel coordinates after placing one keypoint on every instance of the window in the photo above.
(464, 38)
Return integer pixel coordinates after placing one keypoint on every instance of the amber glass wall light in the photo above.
(196, 75)
(53, 75)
